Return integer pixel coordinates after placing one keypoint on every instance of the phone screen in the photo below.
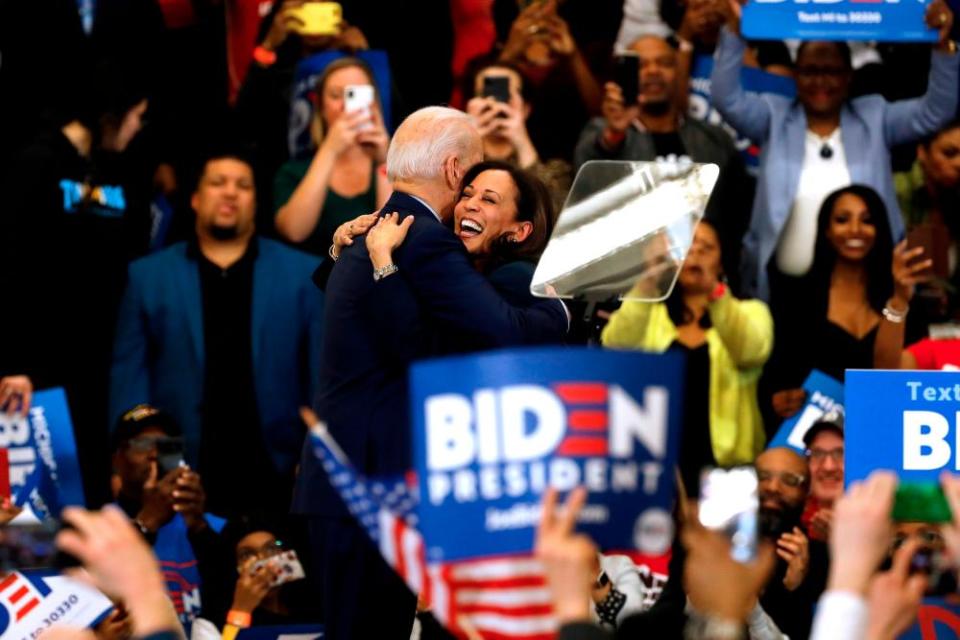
(728, 503)
(626, 73)
(169, 455)
(497, 87)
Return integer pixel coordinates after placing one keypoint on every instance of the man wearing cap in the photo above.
(167, 506)
(824, 443)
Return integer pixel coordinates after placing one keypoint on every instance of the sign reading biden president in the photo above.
(493, 432)
(905, 421)
(883, 20)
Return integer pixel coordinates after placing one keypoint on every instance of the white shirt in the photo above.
(841, 615)
(819, 177)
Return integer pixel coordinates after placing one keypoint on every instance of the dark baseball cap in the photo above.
(137, 420)
(832, 420)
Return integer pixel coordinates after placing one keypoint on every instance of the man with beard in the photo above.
(655, 127)
(223, 332)
(824, 442)
(801, 572)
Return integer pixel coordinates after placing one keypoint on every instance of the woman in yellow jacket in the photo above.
(726, 342)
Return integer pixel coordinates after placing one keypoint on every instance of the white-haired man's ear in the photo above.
(452, 172)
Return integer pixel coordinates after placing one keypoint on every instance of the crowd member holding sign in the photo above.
(363, 382)
(347, 174)
(833, 318)
(822, 141)
(726, 342)
(224, 333)
(75, 213)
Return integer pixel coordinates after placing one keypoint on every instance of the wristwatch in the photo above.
(383, 272)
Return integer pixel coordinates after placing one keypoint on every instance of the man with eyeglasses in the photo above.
(801, 571)
(824, 443)
(167, 506)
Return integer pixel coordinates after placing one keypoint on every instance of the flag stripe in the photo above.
(27, 608)
(10, 579)
(581, 393)
(588, 420)
(528, 611)
(583, 446)
(19, 593)
(494, 568)
(503, 597)
(508, 625)
(503, 583)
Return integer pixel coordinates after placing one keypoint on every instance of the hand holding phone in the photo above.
(285, 567)
(728, 504)
(315, 19)
(626, 74)
(358, 97)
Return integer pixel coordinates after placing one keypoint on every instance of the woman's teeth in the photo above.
(470, 228)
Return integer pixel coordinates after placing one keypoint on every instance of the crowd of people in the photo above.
(200, 242)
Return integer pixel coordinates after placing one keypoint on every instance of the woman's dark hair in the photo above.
(876, 264)
(677, 309)
(950, 126)
(534, 205)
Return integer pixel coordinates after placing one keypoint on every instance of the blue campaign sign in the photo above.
(753, 81)
(44, 472)
(905, 421)
(937, 618)
(493, 431)
(32, 601)
(823, 394)
(882, 20)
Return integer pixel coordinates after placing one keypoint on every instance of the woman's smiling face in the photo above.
(487, 210)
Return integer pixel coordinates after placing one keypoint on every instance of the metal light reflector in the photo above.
(625, 230)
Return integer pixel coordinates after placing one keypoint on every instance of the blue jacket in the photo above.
(158, 354)
(363, 378)
(869, 126)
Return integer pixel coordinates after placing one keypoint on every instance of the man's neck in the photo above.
(666, 122)
(223, 253)
(436, 200)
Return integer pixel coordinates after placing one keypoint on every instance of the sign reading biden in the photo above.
(41, 455)
(884, 20)
(492, 432)
(906, 421)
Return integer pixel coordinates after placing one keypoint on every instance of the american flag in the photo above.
(502, 598)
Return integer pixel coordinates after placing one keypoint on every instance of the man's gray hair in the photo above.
(426, 139)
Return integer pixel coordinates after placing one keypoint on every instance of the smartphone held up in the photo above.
(728, 504)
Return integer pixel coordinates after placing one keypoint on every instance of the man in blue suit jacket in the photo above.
(224, 334)
(363, 378)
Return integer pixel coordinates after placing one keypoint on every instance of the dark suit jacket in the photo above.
(363, 379)
(158, 355)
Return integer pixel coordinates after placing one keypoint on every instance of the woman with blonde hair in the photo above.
(346, 176)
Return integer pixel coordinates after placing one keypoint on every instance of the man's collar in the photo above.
(429, 208)
(194, 253)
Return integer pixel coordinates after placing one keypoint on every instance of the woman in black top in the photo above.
(828, 319)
